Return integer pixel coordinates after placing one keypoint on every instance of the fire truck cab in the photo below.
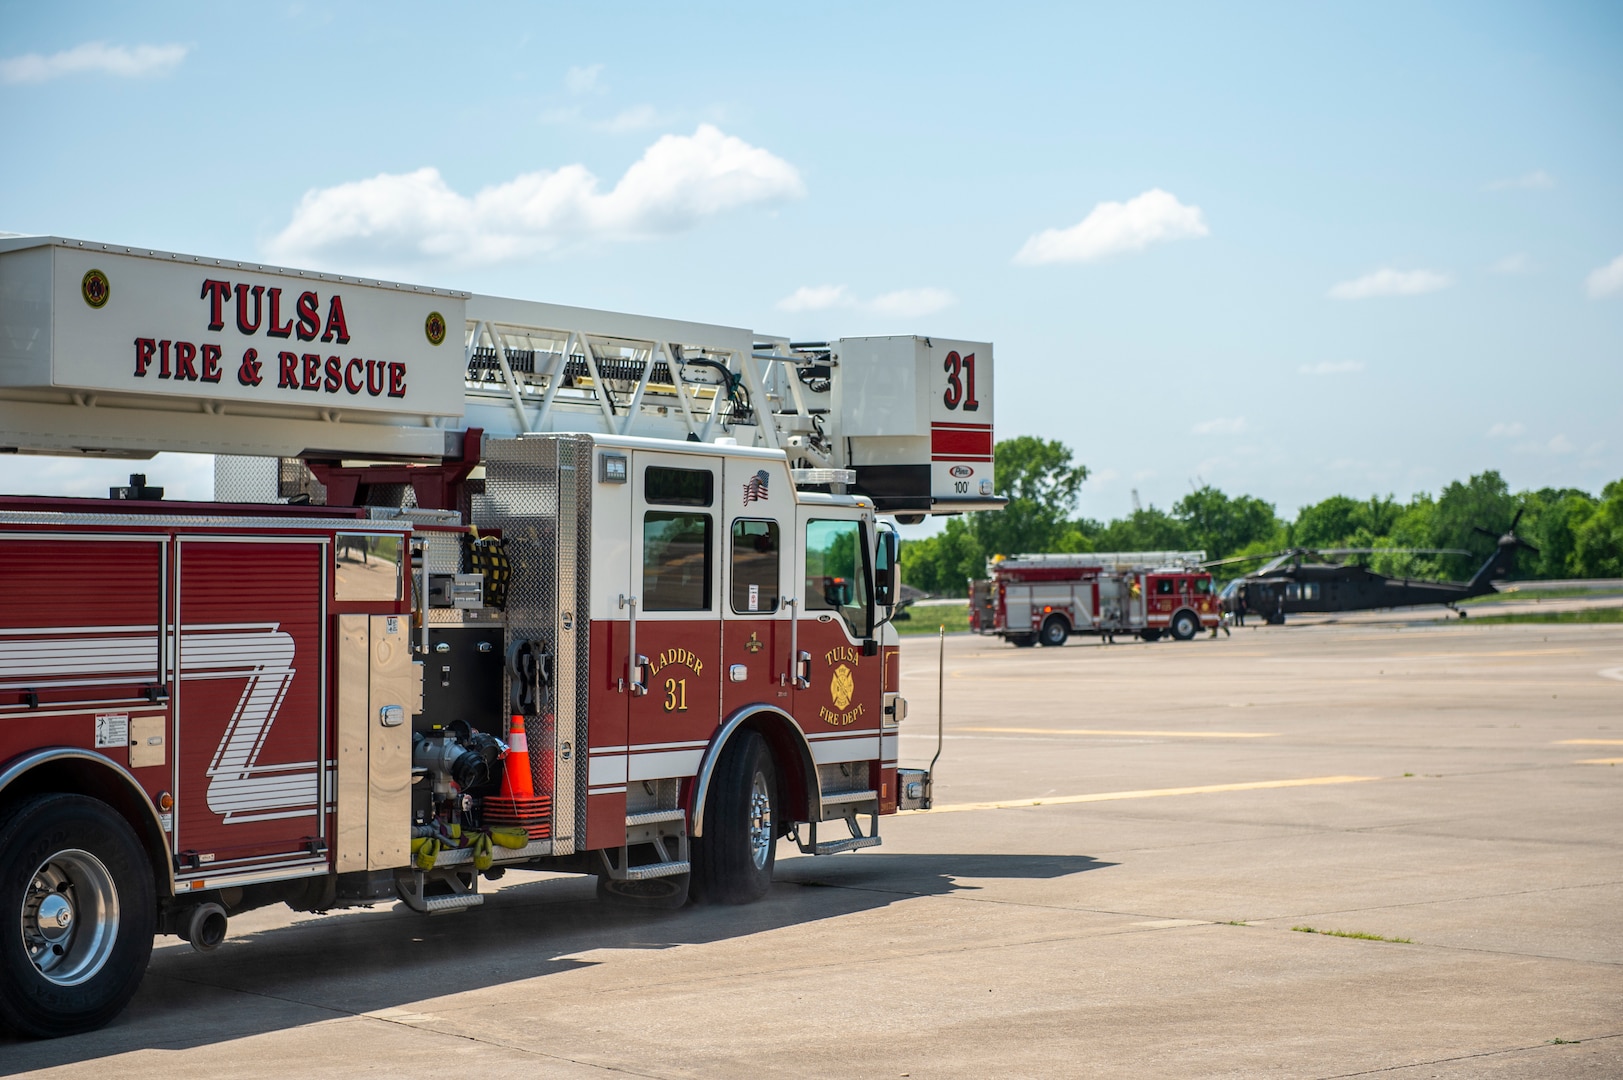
(486, 584)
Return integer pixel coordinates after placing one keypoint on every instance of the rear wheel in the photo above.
(76, 890)
(1185, 626)
(1055, 631)
(733, 860)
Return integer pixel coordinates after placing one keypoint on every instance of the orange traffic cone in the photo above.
(516, 780)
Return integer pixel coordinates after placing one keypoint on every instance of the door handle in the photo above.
(638, 663)
(798, 661)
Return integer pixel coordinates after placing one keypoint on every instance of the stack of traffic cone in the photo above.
(518, 804)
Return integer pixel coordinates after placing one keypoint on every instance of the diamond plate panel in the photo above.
(538, 498)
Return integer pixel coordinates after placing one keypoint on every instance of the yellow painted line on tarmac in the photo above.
(1151, 793)
(1602, 761)
(1126, 734)
(1590, 742)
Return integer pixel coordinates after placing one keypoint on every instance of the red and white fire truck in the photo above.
(1032, 599)
(487, 584)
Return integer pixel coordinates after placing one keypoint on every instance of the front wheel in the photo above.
(1150, 635)
(733, 860)
(1185, 626)
(1021, 641)
(76, 890)
(1055, 632)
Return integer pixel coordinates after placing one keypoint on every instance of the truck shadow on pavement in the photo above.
(386, 959)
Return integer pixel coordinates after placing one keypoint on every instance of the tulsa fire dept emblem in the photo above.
(95, 288)
(434, 328)
(755, 488)
(842, 687)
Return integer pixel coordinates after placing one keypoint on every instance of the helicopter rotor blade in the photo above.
(1486, 532)
(1520, 510)
(1393, 551)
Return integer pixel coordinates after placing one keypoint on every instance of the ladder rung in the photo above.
(654, 817)
(855, 843)
(657, 870)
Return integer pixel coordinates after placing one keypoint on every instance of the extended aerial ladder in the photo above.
(111, 351)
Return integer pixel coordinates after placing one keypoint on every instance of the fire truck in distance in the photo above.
(486, 584)
(1044, 599)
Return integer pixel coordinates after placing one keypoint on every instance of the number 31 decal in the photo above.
(960, 381)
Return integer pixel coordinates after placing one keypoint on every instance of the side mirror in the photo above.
(885, 567)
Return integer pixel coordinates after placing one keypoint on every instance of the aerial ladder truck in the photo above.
(485, 584)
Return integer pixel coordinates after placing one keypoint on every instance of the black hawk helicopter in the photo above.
(1292, 582)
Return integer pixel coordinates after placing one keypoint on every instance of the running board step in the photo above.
(854, 843)
(445, 905)
(658, 870)
(843, 798)
(654, 817)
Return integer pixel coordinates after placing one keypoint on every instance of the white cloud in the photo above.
(1557, 444)
(1333, 367)
(1509, 430)
(1606, 280)
(679, 181)
(1389, 282)
(1538, 179)
(910, 303)
(128, 62)
(1511, 264)
(583, 80)
(1222, 425)
(1112, 227)
(817, 298)
(901, 303)
(636, 118)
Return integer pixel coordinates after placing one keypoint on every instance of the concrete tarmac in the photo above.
(1130, 843)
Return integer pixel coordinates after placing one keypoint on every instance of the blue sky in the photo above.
(1290, 250)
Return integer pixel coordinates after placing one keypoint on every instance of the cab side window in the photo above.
(755, 566)
(675, 561)
(837, 573)
(1164, 587)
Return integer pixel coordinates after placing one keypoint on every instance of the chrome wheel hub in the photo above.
(70, 917)
(760, 822)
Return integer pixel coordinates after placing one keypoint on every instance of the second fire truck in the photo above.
(486, 584)
(1044, 599)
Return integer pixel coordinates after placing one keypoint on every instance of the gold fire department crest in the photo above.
(434, 328)
(842, 687)
(95, 288)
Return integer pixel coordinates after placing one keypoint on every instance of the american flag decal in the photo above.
(755, 488)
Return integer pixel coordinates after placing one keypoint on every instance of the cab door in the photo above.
(759, 563)
(674, 699)
(838, 698)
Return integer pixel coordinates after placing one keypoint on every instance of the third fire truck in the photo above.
(1044, 599)
(486, 584)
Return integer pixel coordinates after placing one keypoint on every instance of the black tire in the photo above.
(1055, 632)
(733, 860)
(1185, 625)
(1150, 635)
(1021, 641)
(655, 894)
(77, 962)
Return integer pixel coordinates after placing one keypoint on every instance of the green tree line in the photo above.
(1578, 534)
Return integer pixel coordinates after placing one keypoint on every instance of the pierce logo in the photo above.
(962, 471)
(95, 288)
